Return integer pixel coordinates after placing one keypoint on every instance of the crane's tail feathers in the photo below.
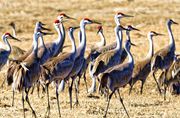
(24, 66)
(45, 75)
(18, 77)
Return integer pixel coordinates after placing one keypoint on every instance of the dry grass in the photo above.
(149, 15)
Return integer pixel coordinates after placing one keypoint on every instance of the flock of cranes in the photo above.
(45, 63)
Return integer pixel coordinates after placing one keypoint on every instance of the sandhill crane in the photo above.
(59, 67)
(87, 58)
(101, 50)
(61, 18)
(123, 55)
(163, 58)
(107, 59)
(4, 53)
(171, 76)
(143, 68)
(117, 18)
(98, 45)
(118, 76)
(13, 64)
(27, 72)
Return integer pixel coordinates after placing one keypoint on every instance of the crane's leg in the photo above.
(84, 75)
(131, 87)
(164, 84)
(93, 86)
(142, 85)
(70, 92)
(32, 89)
(57, 97)
(48, 107)
(131, 84)
(13, 97)
(108, 103)
(23, 102)
(121, 100)
(156, 82)
(38, 88)
(27, 100)
(77, 92)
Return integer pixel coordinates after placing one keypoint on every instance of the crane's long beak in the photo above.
(46, 33)
(95, 22)
(15, 38)
(122, 27)
(133, 44)
(125, 15)
(68, 17)
(159, 34)
(43, 28)
(135, 29)
(76, 27)
(175, 23)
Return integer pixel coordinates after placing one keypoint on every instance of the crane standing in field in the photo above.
(60, 67)
(163, 58)
(171, 77)
(13, 63)
(143, 68)
(54, 68)
(106, 59)
(26, 72)
(4, 53)
(118, 76)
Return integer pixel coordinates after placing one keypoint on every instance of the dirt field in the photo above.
(149, 15)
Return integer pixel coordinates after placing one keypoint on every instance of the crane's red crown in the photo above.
(56, 21)
(87, 19)
(62, 14)
(120, 13)
(7, 33)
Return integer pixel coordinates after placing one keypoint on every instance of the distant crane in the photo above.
(143, 68)
(27, 72)
(4, 53)
(58, 68)
(109, 58)
(118, 76)
(163, 58)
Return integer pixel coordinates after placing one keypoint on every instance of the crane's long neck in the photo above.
(151, 47)
(62, 30)
(119, 36)
(7, 44)
(171, 38)
(117, 20)
(128, 35)
(42, 42)
(35, 45)
(83, 37)
(130, 57)
(72, 42)
(103, 41)
(60, 37)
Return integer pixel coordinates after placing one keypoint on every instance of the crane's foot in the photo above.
(76, 104)
(34, 114)
(47, 112)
